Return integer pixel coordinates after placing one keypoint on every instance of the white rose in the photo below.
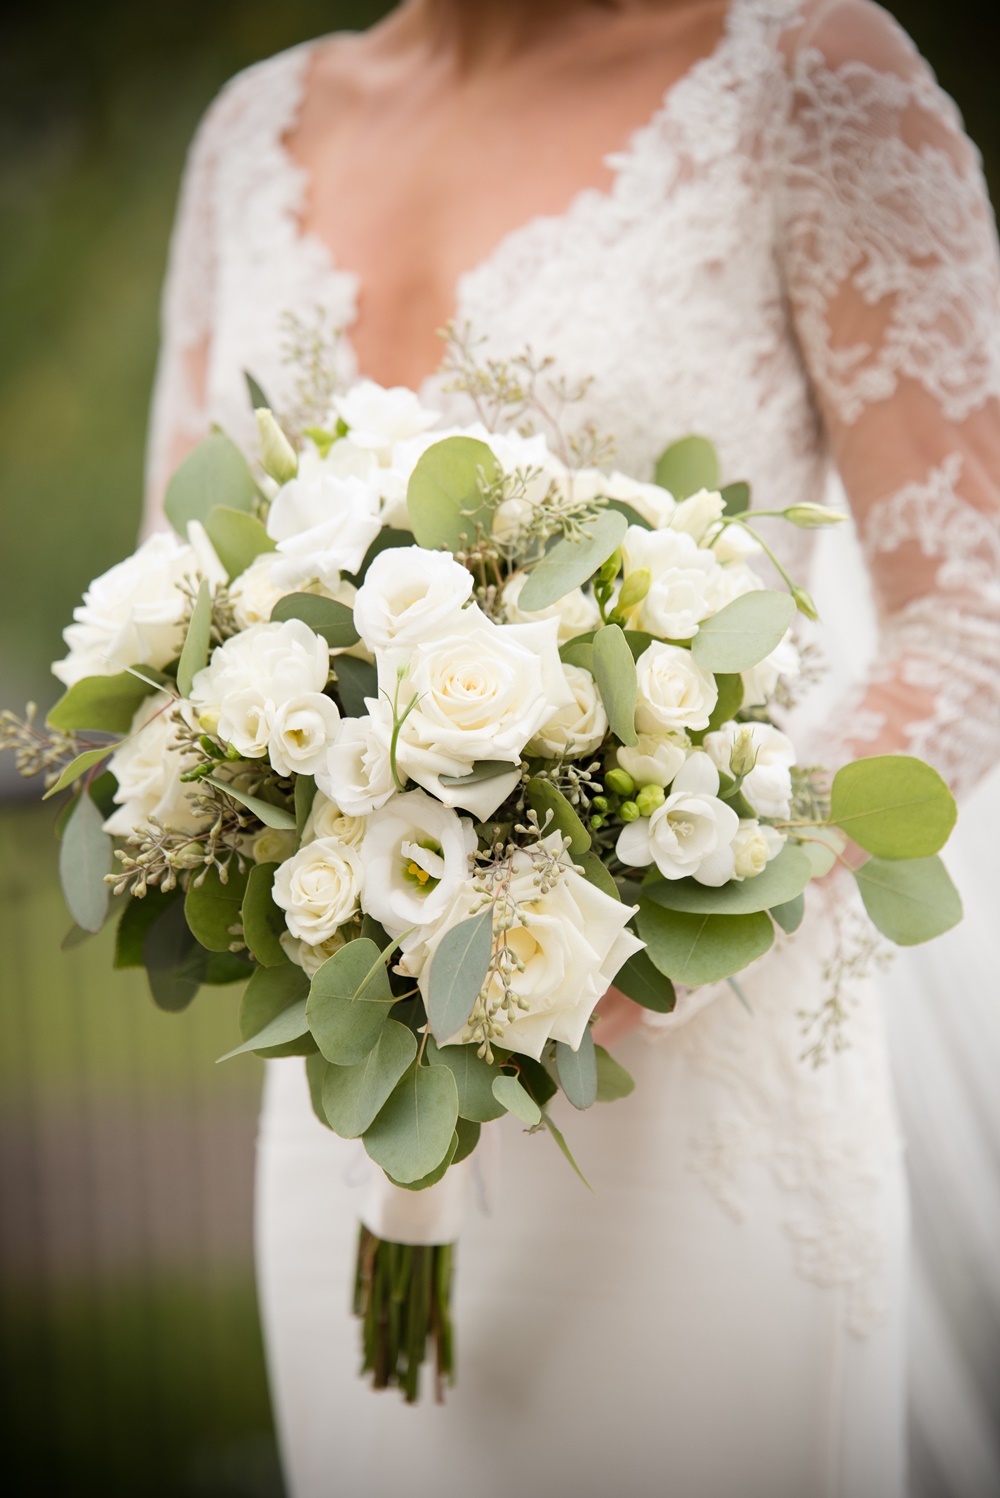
(148, 766)
(730, 583)
(682, 576)
(697, 514)
(273, 845)
(760, 681)
(254, 593)
(323, 525)
(377, 417)
(768, 787)
(132, 614)
(301, 730)
(732, 544)
(310, 957)
(410, 594)
(326, 819)
(690, 835)
(253, 674)
(653, 503)
(415, 856)
(531, 457)
(578, 728)
(319, 889)
(479, 695)
(753, 848)
(577, 611)
(655, 759)
(357, 773)
(573, 944)
(675, 694)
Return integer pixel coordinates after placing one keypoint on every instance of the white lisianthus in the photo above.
(410, 594)
(577, 611)
(753, 848)
(573, 943)
(377, 417)
(357, 774)
(326, 819)
(730, 583)
(479, 695)
(254, 593)
(252, 675)
(319, 889)
(323, 524)
(310, 957)
(653, 503)
(697, 514)
(682, 576)
(760, 681)
(415, 856)
(579, 727)
(273, 845)
(732, 544)
(768, 787)
(675, 693)
(148, 765)
(132, 615)
(691, 834)
(655, 758)
(301, 730)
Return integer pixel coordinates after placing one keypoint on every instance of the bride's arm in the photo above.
(890, 257)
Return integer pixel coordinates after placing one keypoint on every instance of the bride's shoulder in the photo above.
(838, 33)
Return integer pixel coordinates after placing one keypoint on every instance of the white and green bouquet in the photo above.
(429, 737)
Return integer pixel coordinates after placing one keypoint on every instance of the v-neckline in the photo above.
(619, 161)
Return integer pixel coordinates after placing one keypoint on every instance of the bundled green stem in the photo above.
(402, 1293)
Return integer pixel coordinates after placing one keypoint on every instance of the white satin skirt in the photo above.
(722, 1314)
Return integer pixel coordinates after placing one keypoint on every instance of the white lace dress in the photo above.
(798, 259)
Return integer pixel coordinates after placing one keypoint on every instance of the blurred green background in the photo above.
(130, 1357)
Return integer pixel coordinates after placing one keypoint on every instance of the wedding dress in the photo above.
(796, 258)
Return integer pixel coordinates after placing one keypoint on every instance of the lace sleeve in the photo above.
(179, 416)
(891, 267)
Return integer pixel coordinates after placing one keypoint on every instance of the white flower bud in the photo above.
(276, 452)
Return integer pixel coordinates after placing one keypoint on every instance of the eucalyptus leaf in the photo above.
(175, 963)
(632, 516)
(214, 473)
(595, 871)
(736, 498)
(744, 632)
(84, 859)
(909, 900)
(324, 616)
(194, 655)
(509, 1092)
(78, 767)
(104, 703)
(570, 563)
(238, 538)
(578, 1071)
(790, 915)
(538, 1082)
(289, 1025)
(264, 811)
(345, 1031)
(687, 466)
(543, 798)
(387, 539)
(468, 1134)
(263, 921)
(893, 805)
(613, 1081)
(473, 1078)
(578, 653)
(458, 972)
(614, 672)
(727, 705)
(695, 949)
(821, 846)
(779, 881)
(357, 971)
(212, 907)
(644, 984)
(136, 919)
(557, 1135)
(444, 496)
(305, 795)
(316, 1070)
(433, 1176)
(270, 992)
(414, 1130)
(356, 680)
(221, 968)
(354, 1095)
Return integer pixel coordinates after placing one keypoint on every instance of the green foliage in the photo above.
(356, 680)
(414, 1130)
(214, 473)
(212, 908)
(437, 1174)
(136, 919)
(909, 900)
(614, 672)
(238, 538)
(564, 1148)
(695, 949)
(444, 496)
(84, 859)
(349, 1002)
(570, 564)
(271, 992)
(78, 767)
(305, 795)
(893, 805)
(473, 1078)
(790, 915)
(264, 811)
(513, 1097)
(387, 538)
(288, 1025)
(577, 1071)
(613, 1081)
(197, 641)
(324, 616)
(780, 881)
(458, 972)
(263, 921)
(543, 798)
(483, 769)
(736, 498)
(640, 981)
(354, 1095)
(595, 871)
(821, 846)
(728, 703)
(744, 632)
(687, 466)
(467, 1134)
(106, 704)
(175, 963)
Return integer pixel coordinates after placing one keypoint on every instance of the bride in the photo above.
(759, 220)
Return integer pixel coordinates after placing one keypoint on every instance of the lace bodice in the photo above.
(797, 258)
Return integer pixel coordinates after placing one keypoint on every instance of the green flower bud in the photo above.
(634, 588)
(619, 781)
(629, 812)
(601, 803)
(597, 822)
(649, 798)
(804, 603)
(810, 516)
(611, 567)
(276, 452)
(742, 755)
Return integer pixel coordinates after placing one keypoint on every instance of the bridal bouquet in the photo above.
(431, 737)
